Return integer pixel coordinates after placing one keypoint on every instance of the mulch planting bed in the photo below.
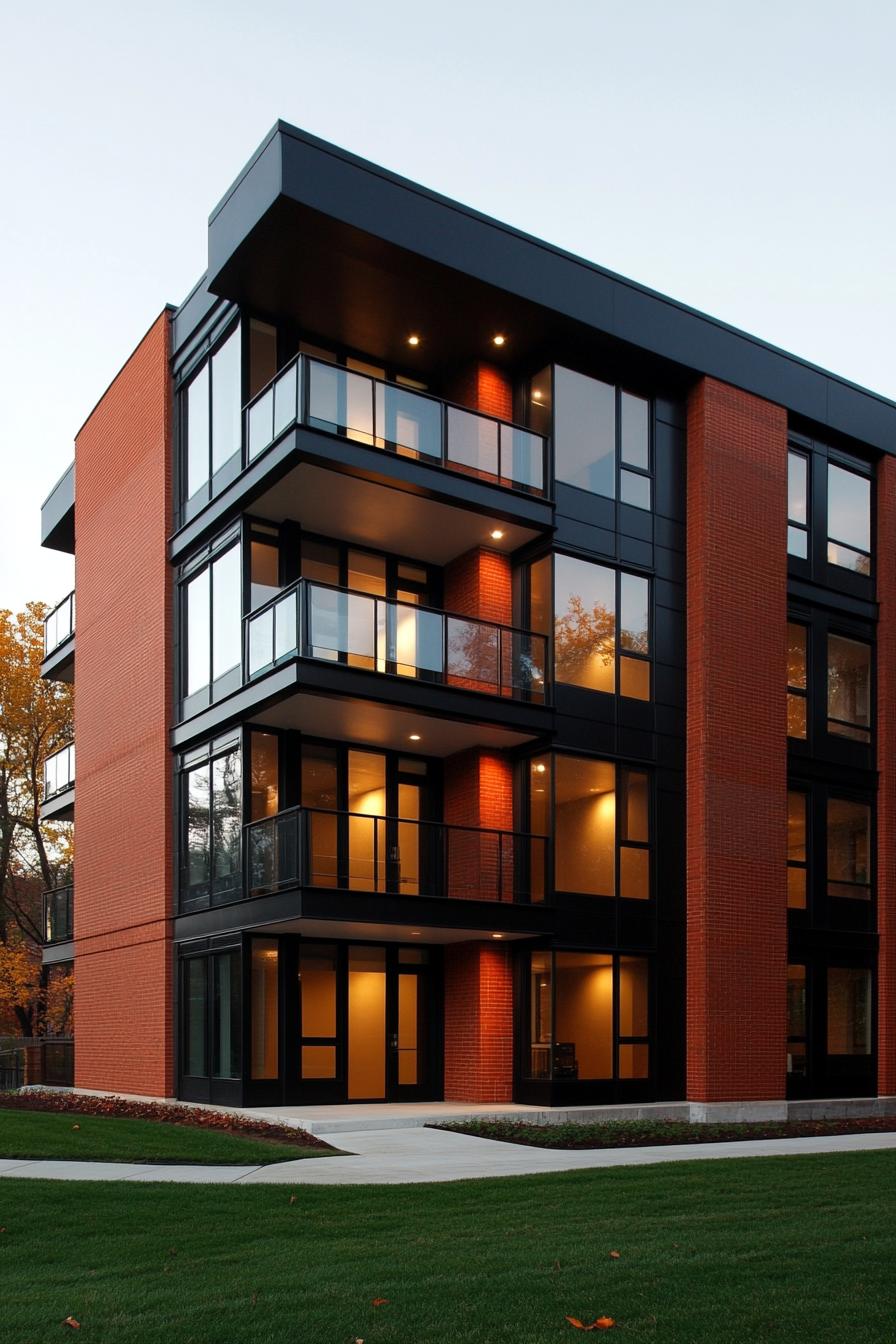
(223, 1121)
(644, 1134)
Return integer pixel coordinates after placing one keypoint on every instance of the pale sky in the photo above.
(738, 157)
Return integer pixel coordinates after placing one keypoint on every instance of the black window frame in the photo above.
(816, 568)
(209, 893)
(620, 388)
(215, 688)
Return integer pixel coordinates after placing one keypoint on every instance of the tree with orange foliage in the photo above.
(35, 720)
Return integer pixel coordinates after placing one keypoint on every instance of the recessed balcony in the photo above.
(59, 785)
(59, 642)
(59, 922)
(396, 639)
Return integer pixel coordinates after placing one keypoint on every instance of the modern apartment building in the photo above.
(484, 680)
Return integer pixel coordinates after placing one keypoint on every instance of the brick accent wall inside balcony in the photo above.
(885, 563)
(123, 707)
(483, 387)
(737, 745)
(478, 1023)
(480, 583)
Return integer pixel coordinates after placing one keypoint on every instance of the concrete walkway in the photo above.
(416, 1155)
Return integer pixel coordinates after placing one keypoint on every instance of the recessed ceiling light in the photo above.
(413, 340)
(497, 935)
(415, 933)
(498, 340)
(536, 395)
(496, 534)
(539, 769)
(414, 737)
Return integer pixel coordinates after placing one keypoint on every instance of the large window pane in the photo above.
(635, 431)
(262, 356)
(540, 1015)
(226, 823)
(849, 1011)
(585, 826)
(583, 1039)
(226, 401)
(797, 488)
(195, 1016)
(796, 1020)
(796, 680)
(226, 612)
(264, 571)
(198, 828)
(317, 988)
(849, 519)
(197, 432)
(584, 624)
(585, 432)
(849, 688)
(265, 1007)
(198, 632)
(849, 849)
(265, 776)
(228, 1016)
(633, 996)
(796, 850)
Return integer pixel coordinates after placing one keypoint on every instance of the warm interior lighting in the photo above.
(498, 340)
(496, 534)
(497, 935)
(413, 340)
(539, 769)
(415, 933)
(536, 395)
(414, 737)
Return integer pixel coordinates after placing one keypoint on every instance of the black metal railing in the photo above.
(397, 419)
(59, 914)
(353, 851)
(317, 620)
(59, 771)
(59, 624)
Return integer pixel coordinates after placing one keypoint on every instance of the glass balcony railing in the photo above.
(59, 771)
(315, 620)
(394, 419)
(59, 624)
(352, 851)
(59, 914)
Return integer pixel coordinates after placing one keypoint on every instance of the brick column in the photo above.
(885, 564)
(478, 1022)
(123, 709)
(736, 746)
(483, 387)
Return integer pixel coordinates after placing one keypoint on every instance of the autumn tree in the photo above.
(35, 720)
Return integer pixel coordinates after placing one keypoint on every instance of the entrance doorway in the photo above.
(357, 1021)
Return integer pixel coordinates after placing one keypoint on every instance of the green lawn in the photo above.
(762, 1249)
(112, 1139)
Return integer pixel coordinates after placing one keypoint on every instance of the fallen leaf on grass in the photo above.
(292, 1199)
(379, 1301)
(602, 1323)
(76, 1126)
(614, 1255)
(72, 1323)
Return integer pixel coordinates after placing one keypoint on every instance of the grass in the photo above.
(646, 1133)
(762, 1249)
(40, 1134)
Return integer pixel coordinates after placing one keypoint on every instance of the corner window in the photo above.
(849, 688)
(796, 679)
(796, 850)
(601, 627)
(598, 814)
(849, 849)
(212, 413)
(849, 519)
(588, 1016)
(211, 831)
(601, 436)
(213, 628)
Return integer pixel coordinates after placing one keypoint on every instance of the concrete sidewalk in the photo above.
(416, 1156)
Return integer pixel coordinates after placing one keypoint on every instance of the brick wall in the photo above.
(483, 387)
(123, 707)
(736, 746)
(478, 1023)
(480, 583)
(885, 561)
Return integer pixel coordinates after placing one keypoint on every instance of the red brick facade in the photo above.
(478, 1023)
(736, 746)
(885, 561)
(480, 583)
(483, 387)
(123, 708)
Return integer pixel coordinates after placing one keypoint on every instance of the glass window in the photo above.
(317, 985)
(796, 679)
(635, 431)
(797, 505)
(320, 561)
(226, 823)
(849, 519)
(796, 1020)
(320, 794)
(540, 1015)
(265, 1007)
(227, 1015)
(197, 432)
(633, 1044)
(583, 1007)
(584, 826)
(540, 596)
(226, 400)
(586, 633)
(849, 688)
(195, 1019)
(849, 1011)
(212, 831)
(199, 828)
(634, 836)
(226, 612)
(198, 631)
(849, 849)
(796, 850)
(265, 776)
(262, 355)
(585, 432)
(264, 570)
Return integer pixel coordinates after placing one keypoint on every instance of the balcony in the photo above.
(393, 856)
(376, 634)
(59, 642)
(59, 906)
(59, 785)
